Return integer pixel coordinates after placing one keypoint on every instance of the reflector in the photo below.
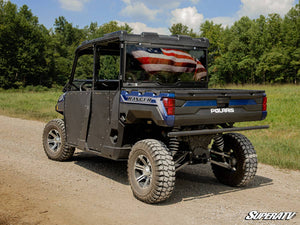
(264, 105)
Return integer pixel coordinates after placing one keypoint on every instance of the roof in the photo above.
(147, 38)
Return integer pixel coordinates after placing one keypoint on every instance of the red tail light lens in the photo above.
(169, 104)
(264, 105)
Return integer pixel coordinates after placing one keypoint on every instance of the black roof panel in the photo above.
(147, 37)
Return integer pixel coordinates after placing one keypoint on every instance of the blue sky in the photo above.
(153, 15)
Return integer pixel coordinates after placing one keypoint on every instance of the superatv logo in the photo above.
(222, 110)
(139, 99)
(254, 215)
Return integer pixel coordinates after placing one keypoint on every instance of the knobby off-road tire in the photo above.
(245, 161)
(54, 141)
(151, 171)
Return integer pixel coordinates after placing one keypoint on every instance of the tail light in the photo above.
(169, 104)
(264, 104)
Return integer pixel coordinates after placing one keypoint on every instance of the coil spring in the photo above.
(219, 142)
(173, 144)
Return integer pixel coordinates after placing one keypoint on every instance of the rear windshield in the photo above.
(165, 65)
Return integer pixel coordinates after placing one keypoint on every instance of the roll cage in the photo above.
(115, 44)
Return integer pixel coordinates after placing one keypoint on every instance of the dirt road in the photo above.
(92, 190)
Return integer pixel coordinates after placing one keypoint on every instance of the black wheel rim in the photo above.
(231, 159)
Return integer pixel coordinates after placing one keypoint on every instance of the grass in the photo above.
(29, 105)
(278, 146)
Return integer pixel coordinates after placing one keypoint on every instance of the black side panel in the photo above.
(100, 120)
(76, 115)
(105, 132)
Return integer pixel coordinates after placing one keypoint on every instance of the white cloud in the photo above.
(141, 27)
(73, 5)
(166, 4)
(170, 11)
(138, 10)
(254, 8)
(188, 16)
(225, 21)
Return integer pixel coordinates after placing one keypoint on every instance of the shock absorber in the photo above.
(173, 144)
(219, 142)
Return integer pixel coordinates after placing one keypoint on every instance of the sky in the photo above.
(153, 15)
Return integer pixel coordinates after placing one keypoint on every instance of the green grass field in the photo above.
(278, 146)
(29, 105)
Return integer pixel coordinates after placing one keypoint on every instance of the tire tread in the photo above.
(164, 181)
(248, 156)
(66, 151)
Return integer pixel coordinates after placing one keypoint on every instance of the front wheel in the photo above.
(239, 153)
(54, 141)
(151, 171)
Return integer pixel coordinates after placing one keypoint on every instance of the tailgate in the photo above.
(215, 106)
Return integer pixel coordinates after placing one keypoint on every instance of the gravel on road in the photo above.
(89, 189)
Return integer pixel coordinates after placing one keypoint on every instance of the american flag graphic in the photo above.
(170, 60)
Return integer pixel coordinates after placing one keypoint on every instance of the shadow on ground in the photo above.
(115, 170)
(192, 182)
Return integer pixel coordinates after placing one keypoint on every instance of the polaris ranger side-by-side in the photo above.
(145, 98)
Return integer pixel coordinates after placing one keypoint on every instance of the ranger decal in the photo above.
(139, 99)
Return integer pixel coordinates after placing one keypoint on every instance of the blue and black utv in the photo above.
(145, 98)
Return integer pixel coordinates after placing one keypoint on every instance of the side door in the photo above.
(106, 87)
(78, 100)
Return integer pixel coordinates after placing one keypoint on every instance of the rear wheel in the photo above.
(54, 141)
(151, 171)
(239, 153)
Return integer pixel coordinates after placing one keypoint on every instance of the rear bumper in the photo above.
(214, 131)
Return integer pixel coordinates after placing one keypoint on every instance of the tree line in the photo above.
(264, 50)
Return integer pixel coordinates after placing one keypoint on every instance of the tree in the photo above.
(214, 33)
(272, 66)
(264, 50)
(23, 46)
(66, 33)
(291, 42)
(239, 62)
(181, 29)
(96, 31)
(273, 32)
